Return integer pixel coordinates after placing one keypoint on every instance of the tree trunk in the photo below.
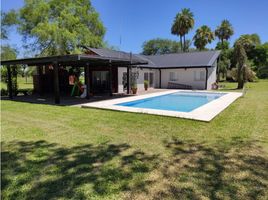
(184, 47)
(239, 78)
(181, 43)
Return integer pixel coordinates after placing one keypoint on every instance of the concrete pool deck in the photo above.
(205, 112)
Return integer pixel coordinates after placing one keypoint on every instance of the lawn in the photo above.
(22, 84)
(56, 152)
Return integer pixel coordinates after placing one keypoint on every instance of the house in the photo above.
(191, 70)
(116, 71)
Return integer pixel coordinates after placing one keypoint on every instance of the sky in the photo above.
(135, 21)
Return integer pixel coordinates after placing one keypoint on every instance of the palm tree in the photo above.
(224, 31)
(183, 23)
(202, 37)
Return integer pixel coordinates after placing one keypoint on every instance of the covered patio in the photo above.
(90, 62)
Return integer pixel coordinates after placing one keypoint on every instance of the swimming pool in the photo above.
(197, 105)
(178, 101)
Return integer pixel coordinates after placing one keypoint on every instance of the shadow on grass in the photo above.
(238, 170)
(42, 170)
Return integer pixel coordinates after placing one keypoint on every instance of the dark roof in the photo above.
(104, 56)
(114, 54)
(72, 59)
(188, 59)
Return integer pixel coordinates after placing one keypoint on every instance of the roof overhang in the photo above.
(74, 59)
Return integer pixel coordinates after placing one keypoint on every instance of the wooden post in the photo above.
(9, 82)
(127, 79)
(40, 79)
(87, 82)
(110, 78)
(56, 82)
(160, 78)
(206, 84)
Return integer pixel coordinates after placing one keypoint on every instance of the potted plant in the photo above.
(146, 84)
(134, 88)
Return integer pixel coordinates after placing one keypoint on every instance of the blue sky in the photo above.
(139, 20)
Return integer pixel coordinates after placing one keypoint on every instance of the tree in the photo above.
(249, 42)
(202, 37)
(58, 28)
(7, 20)
(241, 59)
(183, 23)
(9, 53)
(160, 46)
(224, 31)
(222, 45)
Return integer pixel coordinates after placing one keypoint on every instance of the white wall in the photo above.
(185, 76)
(121, 70)
(212, 75)
(140, 81)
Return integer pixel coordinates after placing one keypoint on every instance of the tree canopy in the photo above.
(53, 28)
(224, 31)
(183, 23)
(160, 46)
(202, 37)
(8, 53)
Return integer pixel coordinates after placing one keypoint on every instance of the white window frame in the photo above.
(199, 75)
(173, 76)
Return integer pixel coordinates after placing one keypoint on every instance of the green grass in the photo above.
(54, 152)
(22, 84)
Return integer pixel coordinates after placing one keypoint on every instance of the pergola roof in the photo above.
(76, 59)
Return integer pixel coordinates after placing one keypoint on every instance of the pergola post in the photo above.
(127, 79)
(40, 79)
(87, 80)
(56, 82)
(9, 82)
(160, 77)
(110, 78)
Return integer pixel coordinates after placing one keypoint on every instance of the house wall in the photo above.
(121, 70)
(184, 76)
(212, 75)
(140, 80)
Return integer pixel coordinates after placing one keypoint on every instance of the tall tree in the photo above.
(183, 23)
(58, 28)
(224, 31)
(202, 37)
(241, 59)
(7, 20)
(160, 46)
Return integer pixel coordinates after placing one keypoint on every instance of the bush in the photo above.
(262, 72)
(4, 92)
(4, 74)
(250, 75)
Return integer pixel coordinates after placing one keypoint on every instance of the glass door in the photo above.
(100, 81)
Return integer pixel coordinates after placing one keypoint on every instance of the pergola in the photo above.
(74, 60)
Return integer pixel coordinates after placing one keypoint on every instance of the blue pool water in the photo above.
(178, 101)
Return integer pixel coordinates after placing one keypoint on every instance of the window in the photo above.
(199, 75)
(146, 77)
(151, 82)
(173, 76)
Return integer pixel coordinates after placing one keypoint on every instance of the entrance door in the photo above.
(100, 81)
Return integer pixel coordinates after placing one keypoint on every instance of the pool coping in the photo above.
(205, 112)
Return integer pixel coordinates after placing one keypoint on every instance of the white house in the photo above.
(193, 70)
